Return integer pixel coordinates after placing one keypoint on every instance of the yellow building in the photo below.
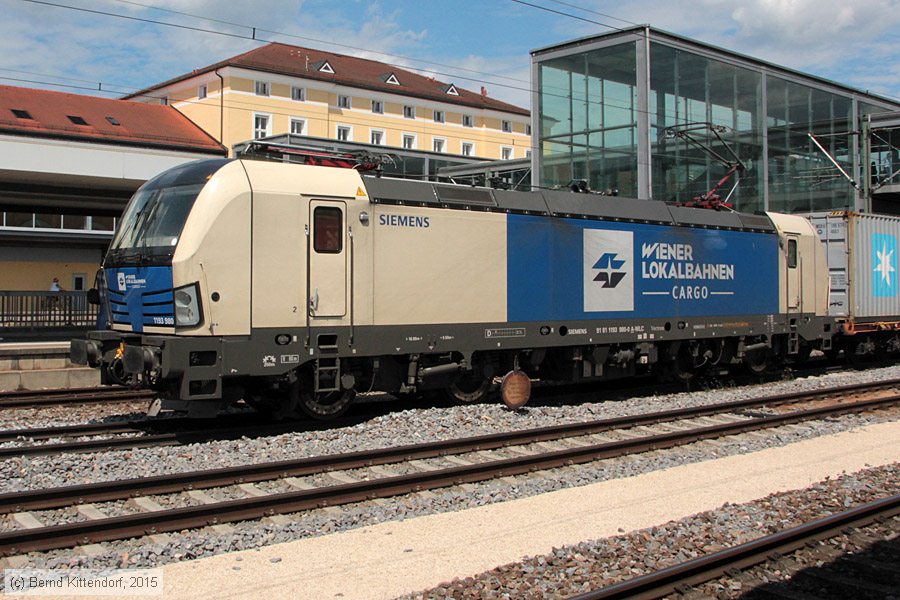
(279, 89)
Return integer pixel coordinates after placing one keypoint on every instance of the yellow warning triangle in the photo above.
(360, 192)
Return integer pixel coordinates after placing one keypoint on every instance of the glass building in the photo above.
(658, 116)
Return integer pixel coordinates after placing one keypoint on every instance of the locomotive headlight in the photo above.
(187, 307)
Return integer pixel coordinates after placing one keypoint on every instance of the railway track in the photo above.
(74, 396)
(148, 433)
(682, 577)
(257, 505)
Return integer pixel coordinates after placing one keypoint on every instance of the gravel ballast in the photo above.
(580, 568)
(404, 427)
(393, 429)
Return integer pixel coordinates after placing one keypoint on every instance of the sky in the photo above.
(471, 43)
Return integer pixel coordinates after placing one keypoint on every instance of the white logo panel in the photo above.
(608, 270)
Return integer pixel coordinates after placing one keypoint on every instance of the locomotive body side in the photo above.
(310, 283)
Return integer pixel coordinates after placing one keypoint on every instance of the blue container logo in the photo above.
(884, 261)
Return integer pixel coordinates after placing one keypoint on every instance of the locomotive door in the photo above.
(794, 274)
(327, 259)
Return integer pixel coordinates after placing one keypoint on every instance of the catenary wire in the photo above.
(606, 102)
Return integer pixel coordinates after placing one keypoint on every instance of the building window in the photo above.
(201, 92)
(298, 94)
(262, 88)
(506, 126)
(298, 126)
(377, 137)
(344, 133)
(377, 107)
(467, 121)
(506, 153)
(528, 154)
(468, 148)
(77, 120)
(528, 129)
(21, 113)
(438, 116)
(409, 141)
(102, 224)
(74, 222)
(261, 126)
(78, 281)
(344, 102)
(164, 100)
(439, 144)
(409, 112)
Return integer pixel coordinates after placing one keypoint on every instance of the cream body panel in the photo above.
(813, 267)
(281, 209)
(453, 271)
(214, 250)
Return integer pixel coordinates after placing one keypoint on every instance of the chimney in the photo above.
(483, 92)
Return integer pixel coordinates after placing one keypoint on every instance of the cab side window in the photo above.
(327, 230)
(792, 254)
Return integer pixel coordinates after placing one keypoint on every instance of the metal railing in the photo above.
(41, 311)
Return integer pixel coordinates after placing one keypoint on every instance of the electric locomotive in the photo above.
(294, 287)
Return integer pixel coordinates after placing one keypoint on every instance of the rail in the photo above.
(43, 311)
(254, 507)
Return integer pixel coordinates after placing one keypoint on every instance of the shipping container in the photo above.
(862, 258)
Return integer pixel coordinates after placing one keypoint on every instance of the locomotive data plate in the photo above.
(506, 332)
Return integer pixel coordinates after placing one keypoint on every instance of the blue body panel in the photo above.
(572, 269)
(141, 296)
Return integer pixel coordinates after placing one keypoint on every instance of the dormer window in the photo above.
(452, 90)
(21, 113)
(392, 79)
(77, 120)
(326, 68)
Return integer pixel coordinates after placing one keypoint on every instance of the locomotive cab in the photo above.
(164, 278)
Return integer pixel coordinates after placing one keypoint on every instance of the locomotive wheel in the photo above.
(326, 405)
(757, 361)
(683, 368)
(468, 389)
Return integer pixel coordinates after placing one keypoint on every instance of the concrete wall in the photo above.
(32, 269)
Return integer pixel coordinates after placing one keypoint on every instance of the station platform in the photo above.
(42, 365)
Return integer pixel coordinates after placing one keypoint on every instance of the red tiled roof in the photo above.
(363, 73)
(139, 124)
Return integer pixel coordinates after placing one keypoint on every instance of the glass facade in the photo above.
(588, 124)
(690, 95)
(801, 177)
(658, 116)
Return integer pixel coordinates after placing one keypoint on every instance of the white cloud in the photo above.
(834, 39)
